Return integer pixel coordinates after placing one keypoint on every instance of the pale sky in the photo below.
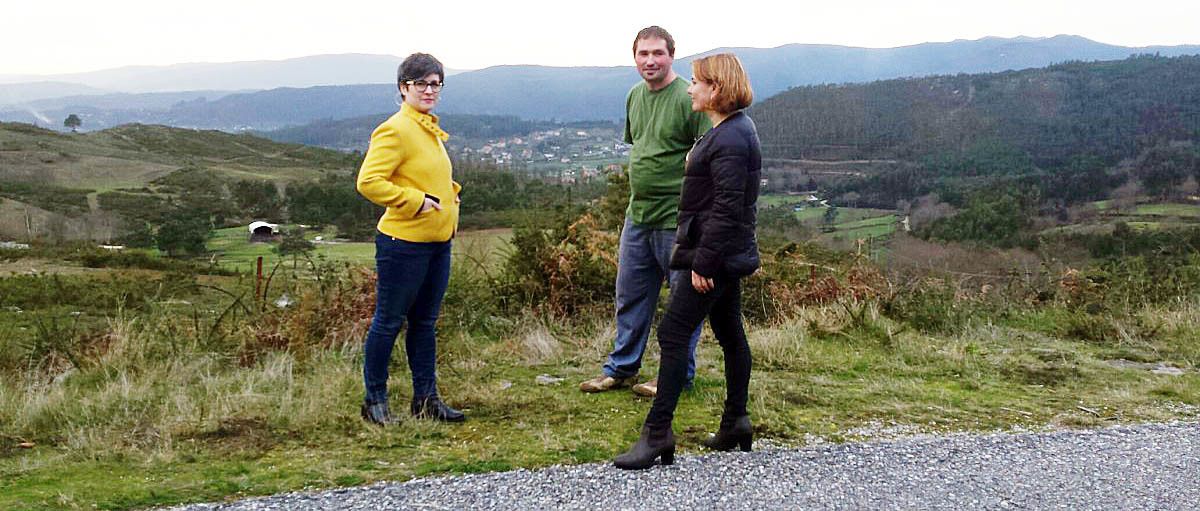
(50, 37)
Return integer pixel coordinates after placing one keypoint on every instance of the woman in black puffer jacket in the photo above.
(715, 240)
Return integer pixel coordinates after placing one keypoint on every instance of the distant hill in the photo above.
(107, 110)
(124, 101)
(596, 93)
(21, 93)
(776, 69)
(339, 69)
(264, 110)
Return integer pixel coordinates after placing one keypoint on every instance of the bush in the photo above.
(797, 275)
(561, 268)
(116, 291)
(102, 258)
(183, 233)
(930, 305)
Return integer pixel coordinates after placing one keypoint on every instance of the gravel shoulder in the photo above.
(1152, 466)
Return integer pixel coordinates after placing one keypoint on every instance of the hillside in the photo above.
(1052, 113)
(132, 183)
(1072, 130)
(131, 156)
(354, 133)
(90, 185)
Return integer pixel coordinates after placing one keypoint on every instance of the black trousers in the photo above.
(685, 311)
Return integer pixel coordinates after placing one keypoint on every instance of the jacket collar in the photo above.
(427, 121)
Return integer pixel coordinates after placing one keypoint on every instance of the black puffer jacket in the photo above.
(718, 204)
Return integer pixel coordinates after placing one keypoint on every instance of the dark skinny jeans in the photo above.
(412, 281)
(685, 311)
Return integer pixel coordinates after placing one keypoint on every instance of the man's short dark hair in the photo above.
(656, 32)
(418, 66)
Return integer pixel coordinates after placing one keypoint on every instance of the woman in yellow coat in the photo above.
(407, 170)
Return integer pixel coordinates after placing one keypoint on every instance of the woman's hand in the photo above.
(701, 283)
(428, 205)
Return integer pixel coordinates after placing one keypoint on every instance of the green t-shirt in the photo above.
(662, 128)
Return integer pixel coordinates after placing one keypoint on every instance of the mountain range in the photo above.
(361, 84)
(337, 69)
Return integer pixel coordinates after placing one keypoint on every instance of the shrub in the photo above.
(930, 305)
(796, 275)
(561, 268)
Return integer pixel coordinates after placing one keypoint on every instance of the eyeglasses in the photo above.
(423, 85)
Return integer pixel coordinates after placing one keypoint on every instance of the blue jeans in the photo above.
(642, 266)
(412, 281)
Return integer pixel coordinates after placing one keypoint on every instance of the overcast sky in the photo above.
(49, 37)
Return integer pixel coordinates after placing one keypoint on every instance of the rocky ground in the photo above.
(1155, 466)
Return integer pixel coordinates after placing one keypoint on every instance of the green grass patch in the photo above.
(888, 220)
(233, 249)
(824, 373)
(1168, 210)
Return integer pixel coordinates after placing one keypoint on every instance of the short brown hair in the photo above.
(655, 32)
(418, 66)
(724, 71)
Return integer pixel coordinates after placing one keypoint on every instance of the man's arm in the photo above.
(628, 102)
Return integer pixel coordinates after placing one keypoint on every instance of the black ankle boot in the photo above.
(651, 445)
(733, 432)
(432, 407)
(377, 413)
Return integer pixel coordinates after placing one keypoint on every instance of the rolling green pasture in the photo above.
(868, 228)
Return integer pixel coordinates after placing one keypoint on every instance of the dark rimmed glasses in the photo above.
(423, 85)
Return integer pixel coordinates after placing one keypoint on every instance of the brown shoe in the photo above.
(647, 389)
(603, 382)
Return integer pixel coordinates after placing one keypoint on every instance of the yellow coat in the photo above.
(407, 160)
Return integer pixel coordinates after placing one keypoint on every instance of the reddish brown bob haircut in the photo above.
(725, 73)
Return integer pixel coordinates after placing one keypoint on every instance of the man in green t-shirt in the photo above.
(662, 127)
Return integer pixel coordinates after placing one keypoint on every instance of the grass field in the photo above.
(779, 200)
(869, 228)
(1168, 210)
(285, 423)
(1142, 217)
(232, 249)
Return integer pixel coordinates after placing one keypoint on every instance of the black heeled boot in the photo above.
(733, 432)
(432, 407)
(650, 446)
(377, 413)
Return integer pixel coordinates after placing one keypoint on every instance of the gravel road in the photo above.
(1154, 466)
